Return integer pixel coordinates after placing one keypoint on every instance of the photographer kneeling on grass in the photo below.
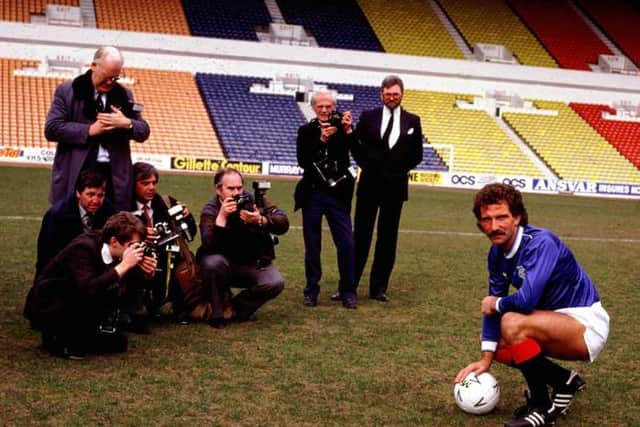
(176, 291)
(75, 299)
(238, 248)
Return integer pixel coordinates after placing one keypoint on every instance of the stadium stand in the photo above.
(624, 136)
(176, 114)
(226, 19)
(572, 148)
(494, 22)
(175, 111)
(426, 37)
(480, 146)
(336, 24)
(24, 103)
(251, 126)
(148, 16)
(21, 11)
(565, 34)
(620, 20)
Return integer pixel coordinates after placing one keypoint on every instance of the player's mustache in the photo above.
(496, 233)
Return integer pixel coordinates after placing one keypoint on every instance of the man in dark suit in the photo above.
(84, 211)
(389, 145)
(74, 300)
(92, 119)
(151, 208)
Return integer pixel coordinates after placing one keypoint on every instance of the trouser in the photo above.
(339, 221)
(386, 242)
(261, 283)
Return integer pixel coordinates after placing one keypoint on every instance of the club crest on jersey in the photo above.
(521, 271)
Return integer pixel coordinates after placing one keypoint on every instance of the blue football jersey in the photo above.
(544, 273)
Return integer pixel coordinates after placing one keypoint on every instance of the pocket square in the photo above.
(410, 131)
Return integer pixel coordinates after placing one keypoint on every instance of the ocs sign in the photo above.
(472, 180)
(515, 182)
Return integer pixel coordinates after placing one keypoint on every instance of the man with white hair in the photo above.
(92, 119)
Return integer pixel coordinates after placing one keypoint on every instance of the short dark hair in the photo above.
(392, 80)
(90, 178)
(222, 172)
(123, 225)
(142, 170)
(495, 193)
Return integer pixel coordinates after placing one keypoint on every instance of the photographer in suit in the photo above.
(179, 226)
(237, 247)
(75, 299)
(86, 210)
(326, 188)
(389, 145)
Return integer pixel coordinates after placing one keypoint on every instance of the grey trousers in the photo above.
(260, 284)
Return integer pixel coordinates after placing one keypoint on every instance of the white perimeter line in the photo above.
(428, 232)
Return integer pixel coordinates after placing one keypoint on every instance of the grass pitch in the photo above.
(382, 364)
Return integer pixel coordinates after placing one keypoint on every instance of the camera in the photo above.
(335, 119)
(243, 202)
(175, 212)
(328, 169)
(259, 190)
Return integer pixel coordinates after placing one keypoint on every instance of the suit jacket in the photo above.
(72, 111)
(61, 224)
(385, 171)
(76, 284)
(308, 147)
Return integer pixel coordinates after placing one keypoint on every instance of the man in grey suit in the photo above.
(92, 118)
(389, 145)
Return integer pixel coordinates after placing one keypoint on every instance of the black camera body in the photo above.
(335, 119)
(243, 202)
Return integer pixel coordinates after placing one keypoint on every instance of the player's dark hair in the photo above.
(90, 179)
(492, 194)
(123, 225)
(222, 172)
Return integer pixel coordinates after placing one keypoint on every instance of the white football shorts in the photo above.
(596, 321)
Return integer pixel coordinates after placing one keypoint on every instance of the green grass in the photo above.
(383, 364)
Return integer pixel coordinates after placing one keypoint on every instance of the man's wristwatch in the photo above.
(130, 124)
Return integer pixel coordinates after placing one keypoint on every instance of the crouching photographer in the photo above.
(75, 299)
(237, 249)
(176, 290)
(326, 188)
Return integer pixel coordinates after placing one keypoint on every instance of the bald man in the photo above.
(92, 119)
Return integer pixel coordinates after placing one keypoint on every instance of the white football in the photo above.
(477, 394)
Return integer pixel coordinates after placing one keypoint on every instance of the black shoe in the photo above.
(524, 409)
(350, 303)
(534, 418)
(139, 325)
(310, 301)
(382, 297)
(56, 346)
(563, 396)
(218, 322)
(336, 296)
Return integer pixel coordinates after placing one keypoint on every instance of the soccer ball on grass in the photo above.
(477, 394)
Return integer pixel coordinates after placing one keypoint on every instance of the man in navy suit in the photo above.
(83, 211)
(389, 145)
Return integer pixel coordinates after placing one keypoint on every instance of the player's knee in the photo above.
(511, 327)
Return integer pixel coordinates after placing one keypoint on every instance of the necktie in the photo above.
(99, 104)
(147, 217)
(86, 220)
(387, 131)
